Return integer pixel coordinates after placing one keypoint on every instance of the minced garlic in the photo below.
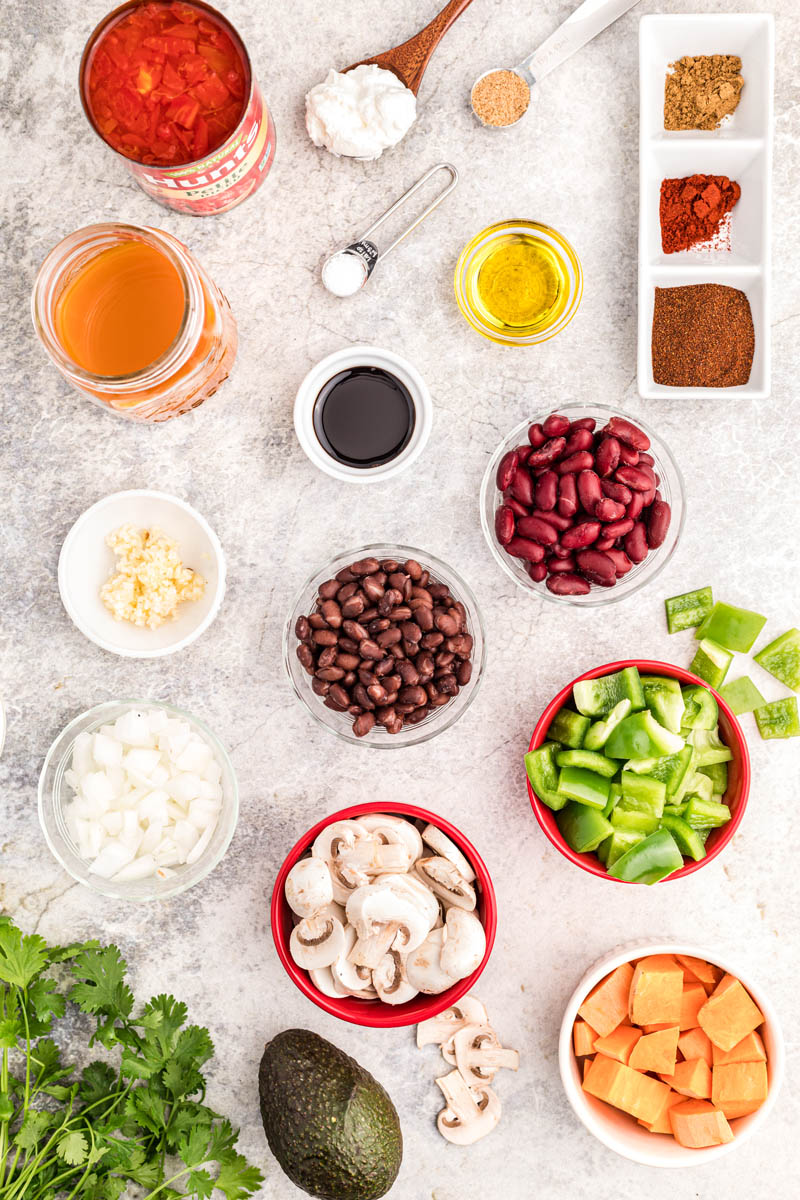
(150, 580)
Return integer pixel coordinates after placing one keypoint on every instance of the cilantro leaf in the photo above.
(72, 1148)
(200, 1184)
(42, 1004)
(21, 958)
(33, 1128)
(237, 1179)
(98, 1080)
(100, 986)
(6, 1107)
(10, 1030)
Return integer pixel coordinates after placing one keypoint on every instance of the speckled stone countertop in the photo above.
(572, 163)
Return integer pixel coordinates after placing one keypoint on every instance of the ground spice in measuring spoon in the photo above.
(694, 212)
(500, 98)
(702, 336)
(702, 91)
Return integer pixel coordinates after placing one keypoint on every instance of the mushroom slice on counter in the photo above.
(470, 1114)
(389, 980)
(352, 979)
(446, 881)
(394, 829)
(444, 846)
(423, 966)
(385, 915)
(468, 1011)
(370, 856)
(479, 1054)
(309, 887)
(316, 941)
(465, 944)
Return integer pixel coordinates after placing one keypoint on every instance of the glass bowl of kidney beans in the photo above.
(582, 505)
(385, 646)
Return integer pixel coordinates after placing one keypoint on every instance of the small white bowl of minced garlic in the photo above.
(141, 574)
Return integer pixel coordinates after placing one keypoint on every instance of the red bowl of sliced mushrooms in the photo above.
(384, 914)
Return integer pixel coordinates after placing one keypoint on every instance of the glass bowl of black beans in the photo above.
(385, 646)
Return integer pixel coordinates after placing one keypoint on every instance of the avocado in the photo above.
(331, 1126)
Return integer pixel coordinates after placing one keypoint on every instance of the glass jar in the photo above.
(187, 373)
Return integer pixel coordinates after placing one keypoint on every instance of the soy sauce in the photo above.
(364, 417)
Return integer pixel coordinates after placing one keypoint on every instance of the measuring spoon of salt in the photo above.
(589, 19)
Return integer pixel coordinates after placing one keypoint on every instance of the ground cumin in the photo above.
(702, 336)
(701, 91)
(500, 98)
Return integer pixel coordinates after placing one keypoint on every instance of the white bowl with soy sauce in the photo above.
(363, 414)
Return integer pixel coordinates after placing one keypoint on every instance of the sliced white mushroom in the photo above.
(340, 835)
(444, 846)
(323, 981)
(413, 887)
(354, 980)
(372, 857)
(309, 887)
(479, 1054)
(436, 1030)
(395, 829)
(465, 944)
(334, 910)
(389, 980)
(423, 966)
(470, 1114)
(316, 941)
(446, 882)
(386, 914)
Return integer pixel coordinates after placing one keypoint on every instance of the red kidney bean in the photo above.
(589, 491)
(616, 491)
(545, 490)
(365, 566)
(302, 629)
(537, 571)
(648, 497)
(536, 436)
(597, 567)
(635, 478)
(568, 585)
(518, 509)
(607, 456)
(329, 589)
(553, 518)
(608, 510)
(582, 461)
(618, 529)
(504, 524)
(558, 551)
(306, 657)
(567, 496)
(628, 433)
(646, 458)
(658, 520)
(363, 724)
(579, 439)
(622, 564)
(548, 453)
(559, 565)
(604, 543)
(583, 423)
(635, 543)
(636, 505)
(580, 536)
(555, 425)
(627, 455)
(524, 453)
(522, 486)
(506, 469)
(521, 547)
(541, 531)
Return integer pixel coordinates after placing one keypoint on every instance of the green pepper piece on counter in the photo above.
(540, 765)
(589, 759)
(708, 747)
(663, 697)
(617, 845)
(741, 695)
(596, 697)
(631, 821)
(674, 810)
(672, 769)
(686, 838)
(706, 814)
(614, 797)
(711, 662)
(652, 859)
(641, 736)
(701, 710)
(689, 609)
(778, 719)
(583, 828)
(587, 787)
(718, 774)
(782, 658)
(600, 731)
(568, 727)
(642, 793)
(731, 627)
(700, 785)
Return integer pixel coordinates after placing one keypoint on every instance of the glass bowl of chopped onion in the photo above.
(138, 800)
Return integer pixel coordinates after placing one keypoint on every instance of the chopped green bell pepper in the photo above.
(672, 769)
(741, 695)
(600, 731)
(631, 821)
(706, 814)
(587, 787)
(688, 610)
(782, 658)
(617, 845)
(674, 810)
(641, 736)
(540, 765)
(701, 709)
(686, 838)
(731, 627)
(663, 697)
(700, 785)
(711, 662)
(718, 774)
(589, 759)
(652, 859)
(583, 828)
(614, 797)
(708, 747)
(642, 793)
(778, 719)
(596, 697)
(568, 727)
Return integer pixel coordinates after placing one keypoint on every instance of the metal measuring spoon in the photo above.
(589, 19)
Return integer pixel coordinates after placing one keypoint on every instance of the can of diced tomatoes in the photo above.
(169, 86)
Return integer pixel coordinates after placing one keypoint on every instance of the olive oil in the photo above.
(520, 284)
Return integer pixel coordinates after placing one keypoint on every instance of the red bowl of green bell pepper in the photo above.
(736, 794)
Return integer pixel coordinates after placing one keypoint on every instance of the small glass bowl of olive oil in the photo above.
(518, 282)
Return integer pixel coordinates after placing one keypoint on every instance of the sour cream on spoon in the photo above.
(359, 113)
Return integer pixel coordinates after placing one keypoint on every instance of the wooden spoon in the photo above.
(410, 60)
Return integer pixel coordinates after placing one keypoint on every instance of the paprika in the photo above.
(693, 212)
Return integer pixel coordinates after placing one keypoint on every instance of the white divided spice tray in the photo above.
(741, 149)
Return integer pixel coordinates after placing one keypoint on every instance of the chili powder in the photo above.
(702, 336)
(693, 211)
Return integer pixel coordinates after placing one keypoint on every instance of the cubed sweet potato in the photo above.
(692, 1078)
(739, 1088)
(729, 1014)
(693, 999)
(656, 1051)
(619, 1043)
(696, 1044)
(635, 1093)
(661, 1123)
(656, 991)
(607, 1003)
(696, 1124)
(583, 1038)
(749, 1049)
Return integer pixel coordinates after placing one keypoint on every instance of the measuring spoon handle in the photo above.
(589, 19)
